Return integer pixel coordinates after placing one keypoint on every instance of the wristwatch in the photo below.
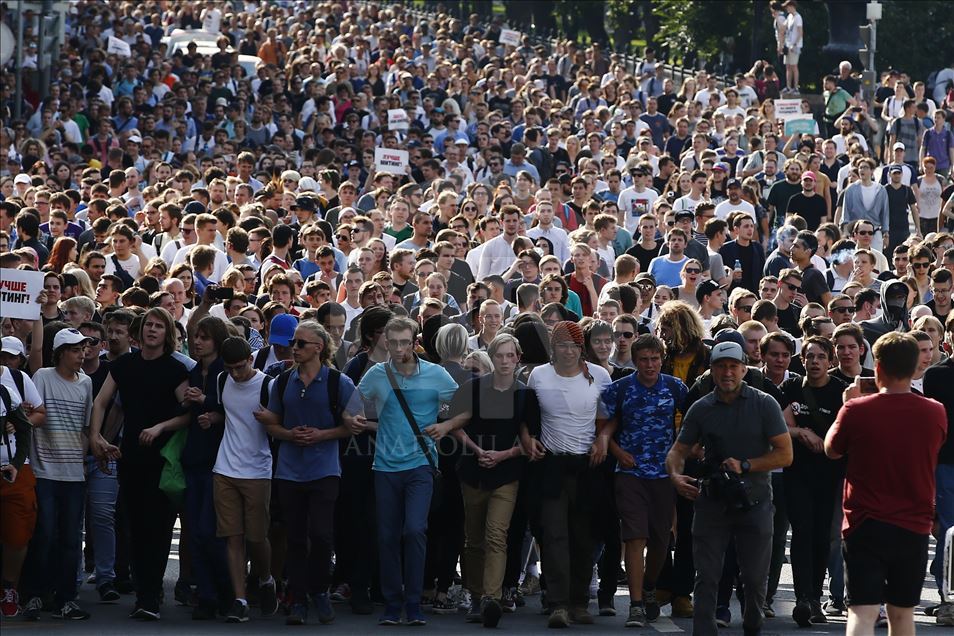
(745, 466)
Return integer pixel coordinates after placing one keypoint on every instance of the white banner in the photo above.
(18, 292)
(510, 37)
(118, 47)
(788, 108)
(392, 161)
(397, 119)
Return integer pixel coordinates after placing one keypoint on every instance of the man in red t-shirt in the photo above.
(891, 440)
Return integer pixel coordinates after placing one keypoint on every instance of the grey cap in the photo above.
(727, 350)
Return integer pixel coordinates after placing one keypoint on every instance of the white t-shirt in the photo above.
(568, 407)
(686, 202)
(868, 193)
(793, 23)
(351, 312)
(634, 204)
(131, 265)
(723, 209)
(32, 397)
(244, 452)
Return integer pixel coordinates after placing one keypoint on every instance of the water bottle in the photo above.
(737, 269)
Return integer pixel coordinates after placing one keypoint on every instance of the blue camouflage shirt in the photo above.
(647, 424)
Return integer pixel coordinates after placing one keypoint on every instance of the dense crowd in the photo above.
(600, 329)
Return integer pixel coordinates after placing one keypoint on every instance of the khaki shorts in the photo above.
(791, 58)
(645, 508)
(241, 507)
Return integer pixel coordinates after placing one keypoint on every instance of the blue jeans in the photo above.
(403, 500)
(209, 565)
(102, 493)
(55, 548)
(945, 515)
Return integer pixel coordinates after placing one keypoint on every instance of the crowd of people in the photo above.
(601, 330)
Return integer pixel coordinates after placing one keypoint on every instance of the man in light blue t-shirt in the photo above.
(665, 269)
(403, 474)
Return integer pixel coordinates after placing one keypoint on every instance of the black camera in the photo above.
(730, 488)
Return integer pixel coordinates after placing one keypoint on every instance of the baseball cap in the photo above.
(730, 335)
(23, 178)
(647, 277)
(723, 166)
(685, 214)
(895, 168)
(897, 146)
(66, 337)
(282, 330)
(727, 351)
(136, 139)
(221, 102)
(13, 346)
(808, 174)
(733, 183)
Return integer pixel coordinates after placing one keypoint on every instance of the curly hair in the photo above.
(685, 331)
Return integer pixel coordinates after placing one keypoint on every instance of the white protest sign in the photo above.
(510, 37)
(397, 119)
(118, 47)
(392, 161)
(788, 108)
(18, 292)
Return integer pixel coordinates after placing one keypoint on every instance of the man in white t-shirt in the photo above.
(733, 187)
(242, 477)
(546, 229)
(205, 234)
(637, 199)
(568, 391)
(696, 194)
(794, 40)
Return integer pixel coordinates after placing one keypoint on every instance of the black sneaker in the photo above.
(298, 614)
(238, 613)
(490, 612)
(267, 599)
(473, 614)
(31, 611)
(107, 593)
(183, 593)
(651, 605)
(802, 614)
(818, 615)
(71, 612)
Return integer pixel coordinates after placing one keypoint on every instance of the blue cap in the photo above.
(282, 329)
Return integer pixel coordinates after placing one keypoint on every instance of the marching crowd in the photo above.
(599, 330)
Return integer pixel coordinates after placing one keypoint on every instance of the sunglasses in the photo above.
(794, 288)
(920, 265)
(343, 237)
(670, 223)
(745, 308)
(693, 270)
(623, 334)
(188, 230)
(300, 343)
(841, 310)
(864, 233)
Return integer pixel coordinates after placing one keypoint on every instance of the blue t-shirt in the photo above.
(665, 271)
(397, 448)
(317, 461)
(647, 425)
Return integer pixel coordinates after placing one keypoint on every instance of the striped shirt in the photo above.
(59, 445)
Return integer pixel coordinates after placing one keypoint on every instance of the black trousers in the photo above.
(356, 543)
(151, 517)
(810, 499)
(309, 513)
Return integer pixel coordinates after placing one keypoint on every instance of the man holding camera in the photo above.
(744, 437)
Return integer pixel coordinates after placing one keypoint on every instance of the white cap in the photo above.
(23, 178)
(13, 346)
(136, 139)
(221, 102)
(898, 146)
(292, 175)
(727, 351)
(65, 337)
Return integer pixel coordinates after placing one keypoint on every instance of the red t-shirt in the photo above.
(581, 291)
(891, 442)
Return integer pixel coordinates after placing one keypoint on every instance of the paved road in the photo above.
(111, 620)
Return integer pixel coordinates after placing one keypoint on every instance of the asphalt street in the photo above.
(108, 620)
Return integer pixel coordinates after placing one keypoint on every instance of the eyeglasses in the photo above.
(300, 343)
(693, 270)
(920, 265)
(794, 288)
(623, 334)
